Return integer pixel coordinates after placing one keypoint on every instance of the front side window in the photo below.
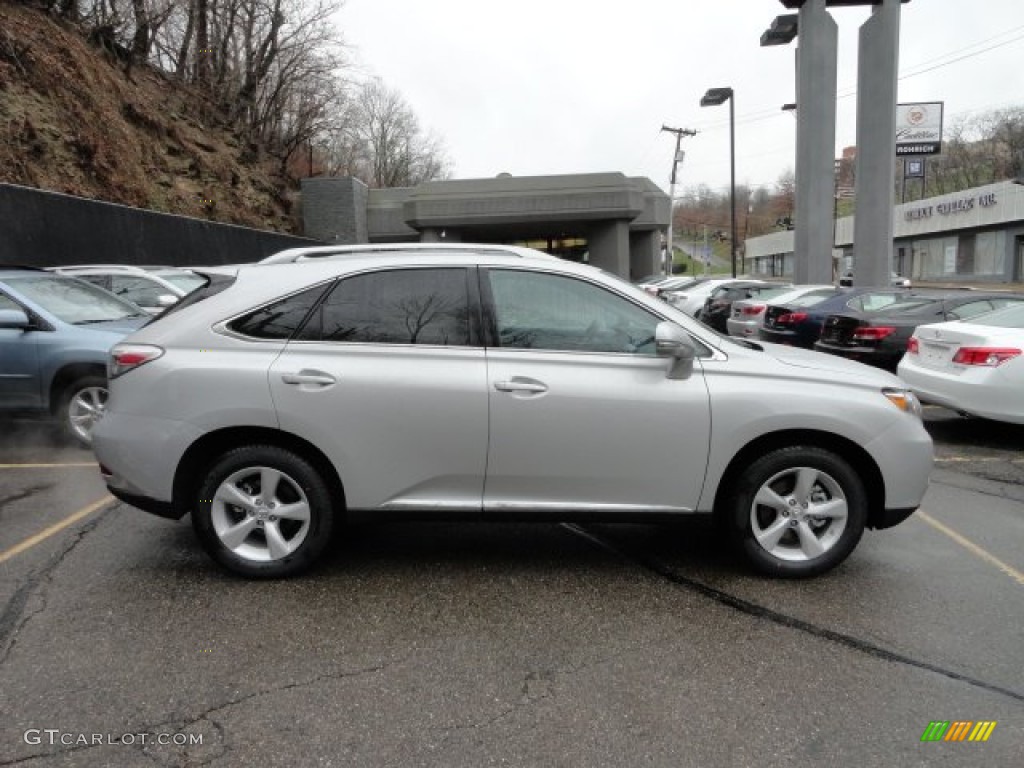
(533, 310)
(403, 306)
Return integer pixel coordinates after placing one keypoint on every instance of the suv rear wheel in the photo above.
(263, 511)
(797, 511)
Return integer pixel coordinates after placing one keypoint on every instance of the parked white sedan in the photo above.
(975, 367)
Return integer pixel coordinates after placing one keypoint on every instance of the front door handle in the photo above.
(520, 384)
(309, 377)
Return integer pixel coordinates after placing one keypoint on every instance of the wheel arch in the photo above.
(861, 461)
(187, 477)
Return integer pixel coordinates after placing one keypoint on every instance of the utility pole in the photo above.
(676, 159)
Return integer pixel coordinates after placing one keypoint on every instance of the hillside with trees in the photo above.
(208, 108)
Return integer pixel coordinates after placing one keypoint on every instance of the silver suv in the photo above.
(498, 383)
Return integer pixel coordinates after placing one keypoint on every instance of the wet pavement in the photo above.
(520, 645)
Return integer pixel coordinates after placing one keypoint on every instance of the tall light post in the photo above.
(713, 98)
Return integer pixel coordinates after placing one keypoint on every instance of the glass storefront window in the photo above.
(990, 254)
(982, 254)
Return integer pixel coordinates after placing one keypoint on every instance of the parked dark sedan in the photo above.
(798, 323)
(718, 305)
(880, 338)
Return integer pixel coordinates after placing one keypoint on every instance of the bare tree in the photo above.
(382, 143)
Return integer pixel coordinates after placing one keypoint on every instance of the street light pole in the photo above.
(713, 98)
(732, 180)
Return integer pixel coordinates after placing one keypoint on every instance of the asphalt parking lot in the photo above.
(121, 644)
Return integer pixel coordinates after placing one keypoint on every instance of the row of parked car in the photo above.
(959, 348)
(57, 326)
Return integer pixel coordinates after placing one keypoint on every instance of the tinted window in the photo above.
(1010, 316)
(872, 302)
(540, 311)
(810, 299)
(281, 319)
(408, 306)
(965, 311)
(770, 292)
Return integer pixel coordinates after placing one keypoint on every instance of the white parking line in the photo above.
(970, 546)
(74, 517)
(49, 466)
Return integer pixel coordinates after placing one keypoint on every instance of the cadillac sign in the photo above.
(919, 128)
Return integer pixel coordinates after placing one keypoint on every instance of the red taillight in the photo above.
(912, 346)
(990, 356)
(791, 318)
(873, 333)
(125, 357)
(752, 310)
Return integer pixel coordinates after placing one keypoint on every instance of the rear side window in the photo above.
(403, 306)
(279, 320)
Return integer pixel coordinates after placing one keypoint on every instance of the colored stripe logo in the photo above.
(958, 730)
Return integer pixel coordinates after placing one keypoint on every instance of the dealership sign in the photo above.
(919, 128)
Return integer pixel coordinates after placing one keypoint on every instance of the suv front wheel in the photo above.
(81, 406)
(263, 511)
(797, 511)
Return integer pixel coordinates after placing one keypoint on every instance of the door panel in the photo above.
(386, 379)
(582, 414)
(406, 427)
(19, 365)
(608, 432)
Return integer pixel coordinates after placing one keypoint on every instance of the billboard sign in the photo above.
(919, 128)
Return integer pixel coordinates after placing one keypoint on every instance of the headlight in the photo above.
(904, 399)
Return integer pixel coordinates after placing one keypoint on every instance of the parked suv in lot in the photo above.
(491, 383)
(55, 335)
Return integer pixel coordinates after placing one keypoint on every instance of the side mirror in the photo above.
(673, 342)
(14, 319)
(166, 300)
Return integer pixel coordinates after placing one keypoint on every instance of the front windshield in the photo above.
(73, 301)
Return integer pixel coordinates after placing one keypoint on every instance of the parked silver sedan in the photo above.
(491, 382)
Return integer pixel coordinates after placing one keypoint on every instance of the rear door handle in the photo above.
(309, 377)
(520, 384)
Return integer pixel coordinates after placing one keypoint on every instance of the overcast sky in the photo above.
(537, 87)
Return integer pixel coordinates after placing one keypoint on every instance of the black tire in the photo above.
(793, 554)
(75, 419)
(300, 542)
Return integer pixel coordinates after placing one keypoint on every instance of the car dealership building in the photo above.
(976, 235)
(606, 219)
